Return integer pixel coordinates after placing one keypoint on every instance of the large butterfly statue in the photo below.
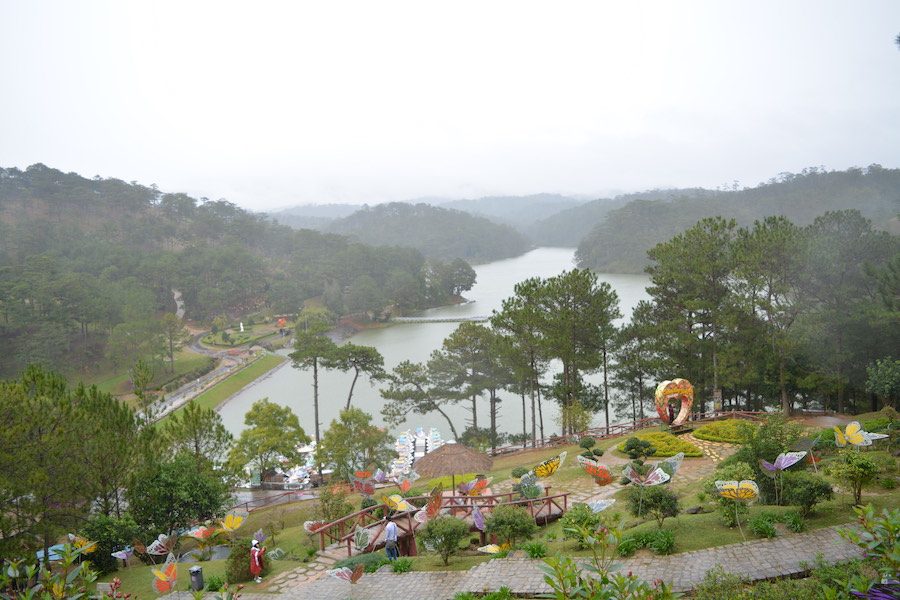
(397, 502)
(363, 474)
(600, 472)
(86, 545)
(162, 545)
(200, 532)
(379, 476)
(346, 574)
(738, 490)
(260, 536)
(654, 476)
(123, 554)
(673, 463)
(477, 518)
(433, 508)
(167, 576)
(474, 487)
(232, 522)
(807, 444)
(364, 486)
(490, 549)
(601, 505)
(314, 526)
(855, 435)
(784, 460)
(361, 538)
(549, 466)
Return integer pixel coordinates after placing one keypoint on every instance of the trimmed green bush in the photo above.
(510, 523)
(666, 444)
(805, 489)
(402, 565)
(762, 526)
(535, 549)
(721, 431)
(237, 565)
(371, 560)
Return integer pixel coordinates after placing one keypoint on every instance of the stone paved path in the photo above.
(756, 559)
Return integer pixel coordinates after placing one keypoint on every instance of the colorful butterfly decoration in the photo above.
(361, 537)
(346, 574)
(123, 554)
(600, 472)
(314, 526)
(86, 545)
(231, 522)
(363, 474)
(379, 476)
(474, 487)
(167, 576)
(549, 466)
(784, 460)
(477, 518)
(654, 476)
(162, 545)
(433, 508)
(364, 487)
(855, 435)
(601, 505)
(673, 463)
(397, 502)
(490, 549)
(200, 532)
(807, 444)
(260, 536)
(738, 490)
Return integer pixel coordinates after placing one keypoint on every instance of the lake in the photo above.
(416, 341)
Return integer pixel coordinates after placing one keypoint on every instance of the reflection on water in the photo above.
(416, 341)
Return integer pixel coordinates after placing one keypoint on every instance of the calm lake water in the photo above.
(415, 342)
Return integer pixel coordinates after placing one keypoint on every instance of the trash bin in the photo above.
(196, 578)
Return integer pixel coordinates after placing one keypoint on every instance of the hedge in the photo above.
(665, 443)
(721, 431)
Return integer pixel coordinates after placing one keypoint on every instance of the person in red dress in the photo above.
(256, 560)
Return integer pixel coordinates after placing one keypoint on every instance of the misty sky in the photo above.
(272, 104)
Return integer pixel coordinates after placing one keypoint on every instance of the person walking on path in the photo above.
(390, 539)
(256, 560)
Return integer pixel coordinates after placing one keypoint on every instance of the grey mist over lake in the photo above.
(416, 341)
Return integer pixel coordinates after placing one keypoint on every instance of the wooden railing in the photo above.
(260, 503)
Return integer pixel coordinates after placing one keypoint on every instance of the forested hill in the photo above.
(87, 269)
(519, 211)
(436, 232)
(619, 243)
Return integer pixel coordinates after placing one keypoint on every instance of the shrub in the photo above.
(214, 583)
(629, 545)
(580, 514)
(879, 535)
(402, 565)
(510, 523)
(661, 541)
(762, 526)
(794, 521)
(637, 448)
(587, 442)
(444, 535)
(371, 561)
(729, 509)
(805, 489)
(535, 549)
(518, 472)
(887, 483)
(597, 452)
(665, 444)
(237, 565)
(727, 430)
(110, 535)
(654, 501)
(854, 470)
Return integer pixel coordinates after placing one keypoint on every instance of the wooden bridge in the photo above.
(336, 539)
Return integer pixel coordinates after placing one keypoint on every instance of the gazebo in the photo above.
(453, 460)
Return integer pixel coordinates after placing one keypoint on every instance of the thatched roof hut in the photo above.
(452, 459)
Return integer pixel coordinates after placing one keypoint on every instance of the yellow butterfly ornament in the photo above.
(549, 466)
(855, 436)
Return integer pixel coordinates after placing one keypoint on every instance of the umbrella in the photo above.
(453, 460)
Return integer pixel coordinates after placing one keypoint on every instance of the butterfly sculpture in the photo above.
(529, 486)
(654, 476)
(260, 536)
(363, 474)
(672, 464)
(600, 472)
(346, 574)
(784, 460)
(549, 466)
(807, 444)
(379, 476)
(478, 518)
(490, 549)
(231, 522)
(738, 491)
(167, 576)
(474, 487)
(200, 532)
(601, 505)
(79, 542)
(433, 508)
(123, 554)
(361, 538)
(364, 487)
(162, 545)
(314, 526)
(397, 502)
(855, 436)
